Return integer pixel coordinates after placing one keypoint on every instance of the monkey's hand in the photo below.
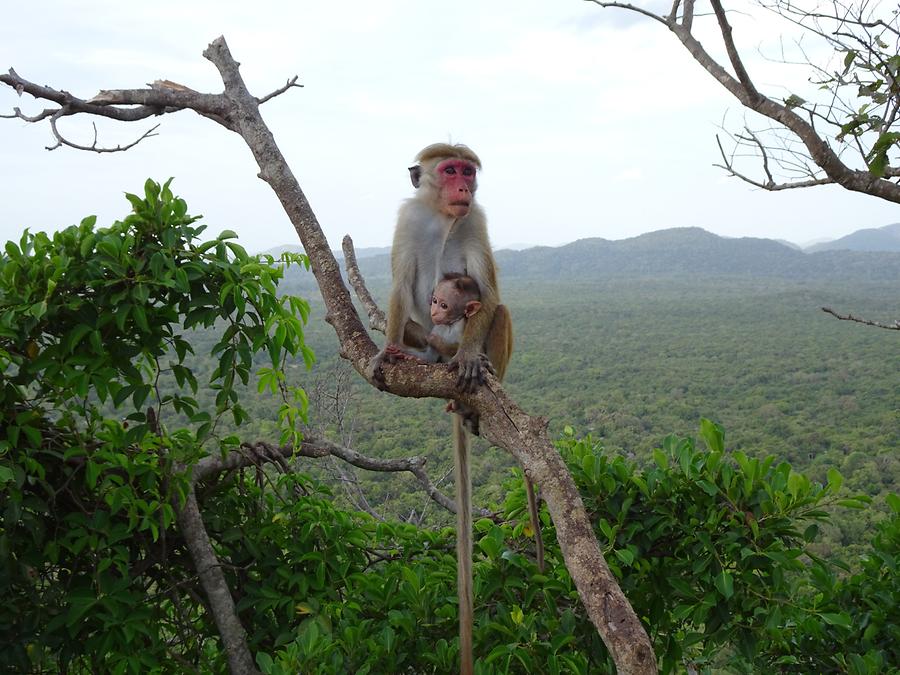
(471, 369)
(391, 353)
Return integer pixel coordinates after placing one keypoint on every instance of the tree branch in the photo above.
(234, 638)
(377, 320)
(857, 319)
(318, 448)
(731, 50)
(770, 183)
(278, 92)
(745, 91)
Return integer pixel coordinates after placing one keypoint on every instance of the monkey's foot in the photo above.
(472, 370)
(469, 417)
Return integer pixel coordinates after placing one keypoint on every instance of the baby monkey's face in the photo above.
(447, 304)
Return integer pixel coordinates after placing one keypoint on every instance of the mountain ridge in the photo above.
(686, 252)
(885, 238)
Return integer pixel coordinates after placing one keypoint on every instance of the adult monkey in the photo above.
(443, 230)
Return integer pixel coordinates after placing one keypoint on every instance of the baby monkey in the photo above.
(455, 299)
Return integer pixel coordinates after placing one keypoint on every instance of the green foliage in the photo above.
(713, 551)
(93, 325)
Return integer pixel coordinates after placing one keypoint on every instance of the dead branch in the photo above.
(503, 423)
(377, 320)
(859, 319)
(278, 92)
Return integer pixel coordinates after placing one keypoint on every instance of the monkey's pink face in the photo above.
(456, 185)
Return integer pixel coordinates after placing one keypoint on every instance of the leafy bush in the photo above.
(91, 322)
(712, 550)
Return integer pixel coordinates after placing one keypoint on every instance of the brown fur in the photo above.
(446, 151)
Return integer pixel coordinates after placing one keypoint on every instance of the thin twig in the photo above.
(858, 319)
(290, 83)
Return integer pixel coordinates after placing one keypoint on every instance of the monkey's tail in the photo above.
(463, 544)
(535, 523)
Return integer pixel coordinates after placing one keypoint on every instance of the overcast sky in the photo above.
(590, 122)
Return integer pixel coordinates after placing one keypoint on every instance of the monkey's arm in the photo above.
(415, 335)
(402, 273)
(470, 360)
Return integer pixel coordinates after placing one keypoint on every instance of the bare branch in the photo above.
(769, 184)
(377, 320)
(278, 92)
(348, 480)
(126, 105)
(630, 7)
(318, 448)
(93, 147)
(733, 55)
(687, 19)
(857, 319)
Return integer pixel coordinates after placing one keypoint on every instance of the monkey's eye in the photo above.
(444, 305)
(450, 170)
(468, 171)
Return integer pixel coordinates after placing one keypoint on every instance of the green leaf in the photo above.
(794, 484)
(660, 458)
(835, 480)
(625, 555)
(713, 435)
(6, 475)
(708, 487)
(842, 619)
(893, 501)
(87, 245)
(13, 251)
(725, 584)
(877, 158)
(140, 317)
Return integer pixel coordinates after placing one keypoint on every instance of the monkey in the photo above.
(455, 299)
(441, 230)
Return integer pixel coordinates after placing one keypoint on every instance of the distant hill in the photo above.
(689, 252)
(694, 252)
(885, 238)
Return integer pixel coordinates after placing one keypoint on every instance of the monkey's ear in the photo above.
(415, 174)
(472, 306)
